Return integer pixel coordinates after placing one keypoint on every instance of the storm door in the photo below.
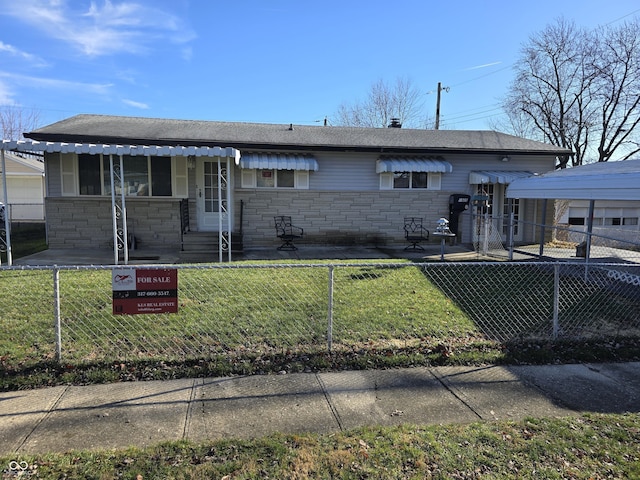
(213, 194)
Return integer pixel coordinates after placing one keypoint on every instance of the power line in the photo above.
(624, 16)
(482, 76)
(474, 115)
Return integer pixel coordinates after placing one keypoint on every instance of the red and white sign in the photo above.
(144, 290)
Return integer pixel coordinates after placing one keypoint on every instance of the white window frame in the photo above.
(70, 177)
(434, 182)
(249, 179)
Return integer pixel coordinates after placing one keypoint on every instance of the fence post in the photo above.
(56, 307)
(556, 299)
(512, 231)
(330, 311)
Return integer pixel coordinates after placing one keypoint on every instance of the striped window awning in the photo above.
(496, 176)
(414, 164)
(278, 161)
(97, 148)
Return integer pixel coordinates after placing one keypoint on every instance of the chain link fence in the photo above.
(496, 236)
(229, 310)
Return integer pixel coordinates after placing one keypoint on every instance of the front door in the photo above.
(493, 219)
(212, 205)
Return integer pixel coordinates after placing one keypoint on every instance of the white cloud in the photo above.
(485, 65)
(6, 95)
(15, 52)
(57, 84)
(106, 28)
(187, 53)
(132, 103)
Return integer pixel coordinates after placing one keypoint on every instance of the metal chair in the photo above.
(415, 233)
(287, 232)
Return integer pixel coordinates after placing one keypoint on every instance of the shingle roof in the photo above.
(138, 130)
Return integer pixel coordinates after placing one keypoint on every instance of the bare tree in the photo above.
(517, 123)
(579, 89)
(14, 121)
(383, 103)
(618, 91)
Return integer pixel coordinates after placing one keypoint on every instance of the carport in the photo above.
(118, 203)
(592, 182)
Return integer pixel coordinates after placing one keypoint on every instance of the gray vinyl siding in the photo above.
(345, 172)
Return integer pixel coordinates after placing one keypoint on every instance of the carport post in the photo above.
(587, 252)
(542, 228)
(511, 228)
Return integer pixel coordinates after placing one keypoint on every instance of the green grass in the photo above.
(591, 446)
(268, 319)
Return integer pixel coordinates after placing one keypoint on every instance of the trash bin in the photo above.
(581, 249)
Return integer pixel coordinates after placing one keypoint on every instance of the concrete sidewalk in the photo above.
(119, 415)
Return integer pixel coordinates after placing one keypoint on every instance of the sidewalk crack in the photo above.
(50, 410)
(332, 407)
(455, 394)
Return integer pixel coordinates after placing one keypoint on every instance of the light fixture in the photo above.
(505, 159)
(191, 162)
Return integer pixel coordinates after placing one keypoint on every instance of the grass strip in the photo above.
(589, 446)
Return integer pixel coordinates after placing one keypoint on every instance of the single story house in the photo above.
(25, 187)
(342, 185)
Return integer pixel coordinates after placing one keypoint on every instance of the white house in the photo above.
(25, 187)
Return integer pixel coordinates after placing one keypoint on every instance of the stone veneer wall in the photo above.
(337, 217)
(85, 223)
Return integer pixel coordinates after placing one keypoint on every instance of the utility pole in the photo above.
(440, 88)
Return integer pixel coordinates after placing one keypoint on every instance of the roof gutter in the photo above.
(284, 146)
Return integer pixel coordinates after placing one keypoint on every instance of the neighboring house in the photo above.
(25, 187)
(613, 214)
(343, 185)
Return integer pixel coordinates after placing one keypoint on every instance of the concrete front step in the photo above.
(206, 242)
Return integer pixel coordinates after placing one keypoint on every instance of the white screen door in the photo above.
(211, 189)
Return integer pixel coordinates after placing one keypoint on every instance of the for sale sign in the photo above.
(144, 291)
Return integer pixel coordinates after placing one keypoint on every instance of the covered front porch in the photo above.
(113, 216)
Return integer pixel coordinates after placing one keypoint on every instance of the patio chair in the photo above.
(287, 232)
(415, 233)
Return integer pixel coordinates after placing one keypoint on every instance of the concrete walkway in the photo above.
(68, 256)
(119, 415)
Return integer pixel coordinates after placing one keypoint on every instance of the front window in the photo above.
(272, 178)
(143, 176)
(136, 175)
(410, 180)
(89, 174)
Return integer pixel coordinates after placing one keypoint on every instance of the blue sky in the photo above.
(272, 61)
